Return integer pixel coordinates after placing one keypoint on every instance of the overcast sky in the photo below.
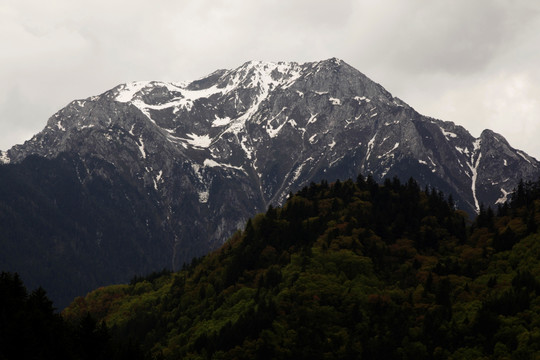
(476, 63)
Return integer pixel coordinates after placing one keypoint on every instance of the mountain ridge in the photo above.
(208, 154)
(184, 118)
(248, 88)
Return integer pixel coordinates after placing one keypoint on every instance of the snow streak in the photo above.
(473, 166)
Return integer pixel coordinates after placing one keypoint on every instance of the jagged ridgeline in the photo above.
(346, 270)
(161, 172)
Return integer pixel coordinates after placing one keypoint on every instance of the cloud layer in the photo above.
(474, 63)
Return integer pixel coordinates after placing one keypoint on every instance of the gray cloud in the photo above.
(471, 62)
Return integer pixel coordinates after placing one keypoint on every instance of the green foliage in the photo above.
(346, 270)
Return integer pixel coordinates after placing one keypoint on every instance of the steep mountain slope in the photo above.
(208, 154)
(70, 231)
(277, 127)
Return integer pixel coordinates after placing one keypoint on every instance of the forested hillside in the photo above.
(346, 270)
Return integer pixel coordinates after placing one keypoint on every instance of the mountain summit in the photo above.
(210, 153)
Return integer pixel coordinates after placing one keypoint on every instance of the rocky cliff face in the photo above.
(213, 152)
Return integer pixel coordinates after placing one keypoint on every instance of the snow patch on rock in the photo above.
(221, 121)
(335, 101)
(448, 134)
(202, 141)
(140, 144)
(4, 158)
(503, 198)
(128, 91)
(213, 163)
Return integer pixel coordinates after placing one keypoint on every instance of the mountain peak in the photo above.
(332, 62)
(238, 140)
(201, 157)
(488, 133)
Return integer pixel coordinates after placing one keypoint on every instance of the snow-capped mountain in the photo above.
(212, 152)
